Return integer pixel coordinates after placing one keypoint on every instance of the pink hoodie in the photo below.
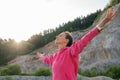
(65, 62)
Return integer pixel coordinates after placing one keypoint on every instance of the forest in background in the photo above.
(9, 48)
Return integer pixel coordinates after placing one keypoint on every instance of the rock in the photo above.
(100, 78)
(94, 78)
(26, 77)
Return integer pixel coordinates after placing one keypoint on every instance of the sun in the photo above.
(20, 37)
(18, 40)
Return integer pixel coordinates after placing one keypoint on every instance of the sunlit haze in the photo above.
(20, 19)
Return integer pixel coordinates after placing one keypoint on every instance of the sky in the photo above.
(20, 19)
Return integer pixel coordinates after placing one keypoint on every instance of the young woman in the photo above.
(64, 63)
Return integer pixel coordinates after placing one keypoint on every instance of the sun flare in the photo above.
(18, 39)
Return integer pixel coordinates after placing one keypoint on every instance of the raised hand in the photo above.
(40, 55)
(110, 14)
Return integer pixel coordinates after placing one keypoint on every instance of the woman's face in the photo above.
(61, 39)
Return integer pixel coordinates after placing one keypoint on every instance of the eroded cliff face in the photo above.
(104, 50)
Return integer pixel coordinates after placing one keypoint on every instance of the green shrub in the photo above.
(26, 74)
(3, 71)
(112, 3)
(42, 72)
(14, 69)
(6, 78)
(79, 78)
(11, 70)
(88, 73)
(113, 72)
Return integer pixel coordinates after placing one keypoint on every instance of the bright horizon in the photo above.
(20, 19)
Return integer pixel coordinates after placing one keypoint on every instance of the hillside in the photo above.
(101, 53)
(104, 50)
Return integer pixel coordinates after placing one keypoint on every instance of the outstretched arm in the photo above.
(78, 46)
(46, 59)
(110, 14)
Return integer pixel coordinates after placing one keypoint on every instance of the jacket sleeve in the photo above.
(48, 59)
(79, 45)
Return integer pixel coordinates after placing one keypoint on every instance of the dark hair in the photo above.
(69, 37)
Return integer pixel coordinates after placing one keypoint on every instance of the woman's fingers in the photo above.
(39, 54)
(110, 14)
(114, 13)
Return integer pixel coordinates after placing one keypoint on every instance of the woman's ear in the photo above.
(67, 40)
